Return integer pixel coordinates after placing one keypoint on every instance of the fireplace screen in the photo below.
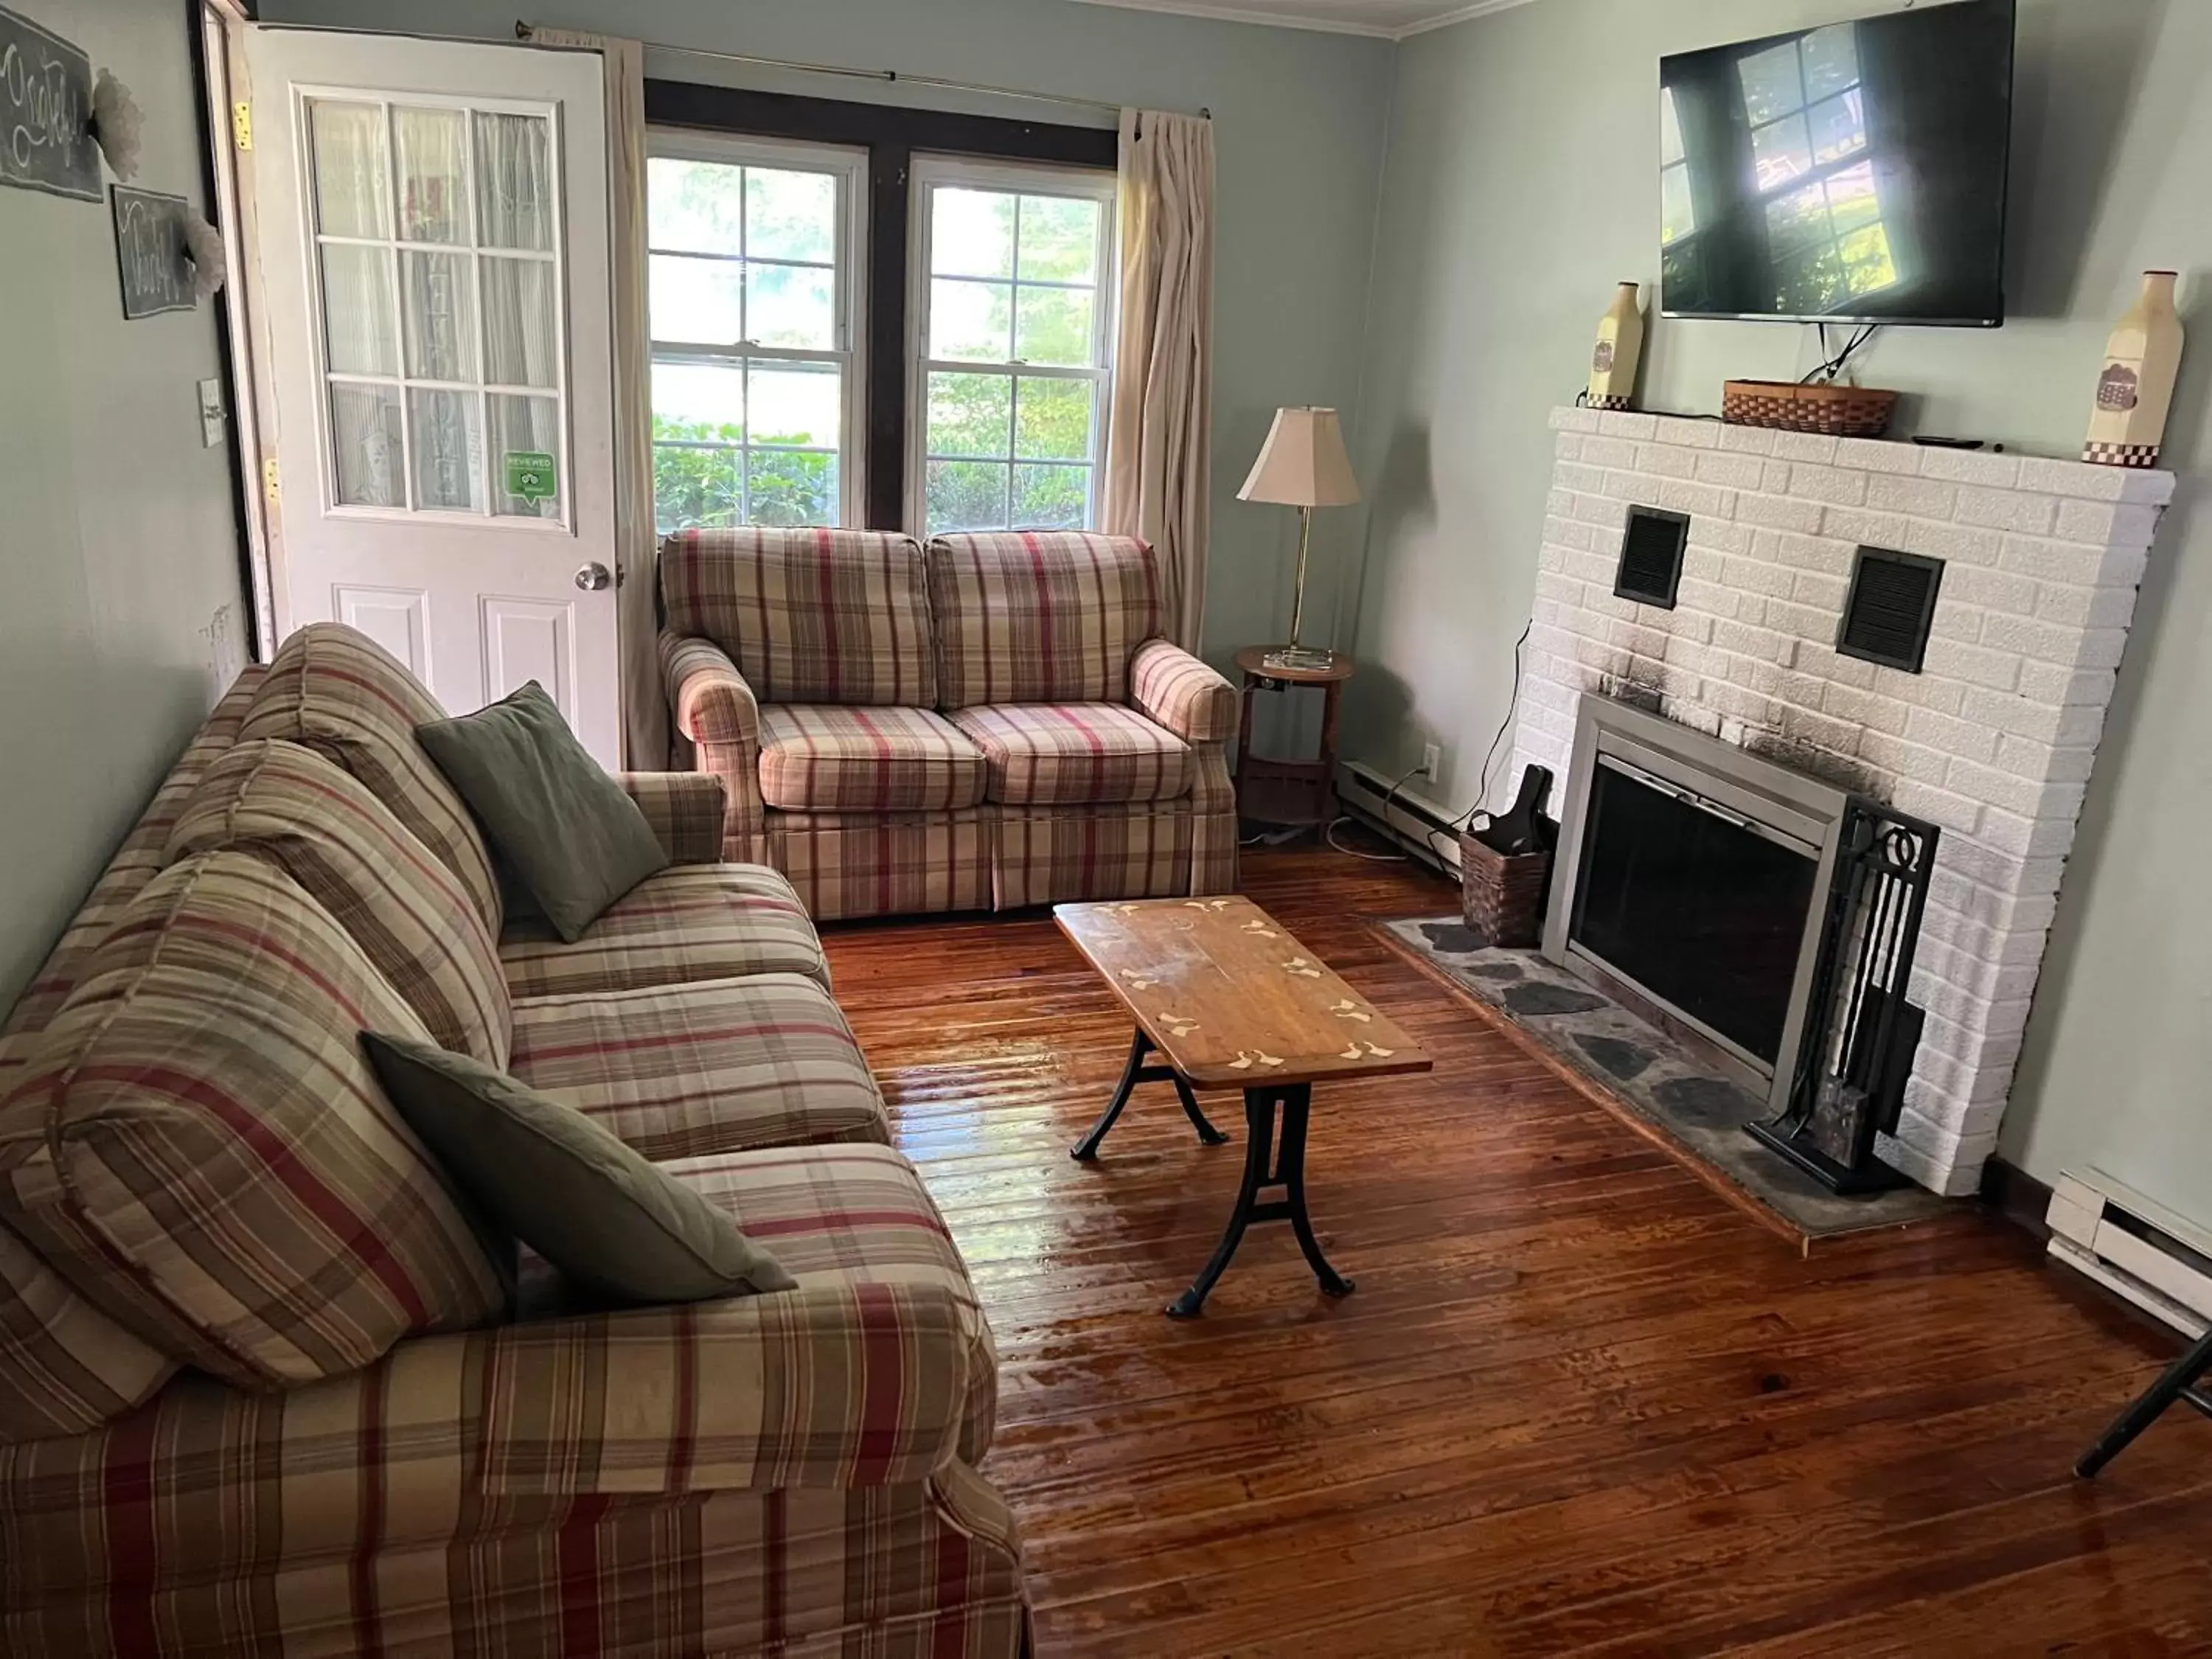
(1695, 908)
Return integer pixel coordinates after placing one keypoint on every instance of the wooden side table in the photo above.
(1289, 793)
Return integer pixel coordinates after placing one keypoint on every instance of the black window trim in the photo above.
(891, 135)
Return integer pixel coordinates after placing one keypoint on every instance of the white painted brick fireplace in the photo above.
(1994, 739)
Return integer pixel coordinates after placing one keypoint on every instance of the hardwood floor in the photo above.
(1579, 1404)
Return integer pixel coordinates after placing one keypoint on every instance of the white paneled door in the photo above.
(432, 251)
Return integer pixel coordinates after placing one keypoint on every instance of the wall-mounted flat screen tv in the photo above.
(1849, 174)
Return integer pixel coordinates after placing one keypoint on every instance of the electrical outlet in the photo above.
(1432, 757)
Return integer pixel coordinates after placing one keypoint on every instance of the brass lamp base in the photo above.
(1302, 659)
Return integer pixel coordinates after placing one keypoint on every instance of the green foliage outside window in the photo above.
(706, 487)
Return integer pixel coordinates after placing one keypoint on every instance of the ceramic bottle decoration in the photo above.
(1619, 343)
(2135, 390)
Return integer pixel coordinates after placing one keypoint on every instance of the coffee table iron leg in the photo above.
(1289, 1172)
(1296, 1108)
(1133, 1073)
(1258, 1148)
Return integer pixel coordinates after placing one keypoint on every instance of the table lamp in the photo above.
(1301, 464)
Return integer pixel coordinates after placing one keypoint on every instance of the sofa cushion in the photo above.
(64, 1365)
(342, 695)
(854, 1215)
(807, 615)
(825, 757)
(613, 1222)
(409, 913)
(687, 1070)
(198, 1145)
(846, 864)
(1039, 616)
(687, 925)
(1075, 754)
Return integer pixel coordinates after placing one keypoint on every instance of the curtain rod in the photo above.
(524, 30)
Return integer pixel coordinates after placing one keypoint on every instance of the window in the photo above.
(1012, 337)
(437, 274)
(999, 307)
(753, 248)
(1809, 147)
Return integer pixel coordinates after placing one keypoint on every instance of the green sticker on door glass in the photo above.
(529, 475)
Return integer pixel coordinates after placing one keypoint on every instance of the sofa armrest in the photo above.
(839, 1385)
(1173, 689)
(686, 810)
(836, 1385)
(714, 712)
(707, 698)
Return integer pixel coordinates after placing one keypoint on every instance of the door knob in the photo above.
(594, 577)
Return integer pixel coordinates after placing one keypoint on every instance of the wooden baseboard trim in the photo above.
(2017, 1196)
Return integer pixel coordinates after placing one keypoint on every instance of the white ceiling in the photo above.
(1391, 19)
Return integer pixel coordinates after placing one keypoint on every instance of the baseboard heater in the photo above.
(1412, 822)
(2135, 1247)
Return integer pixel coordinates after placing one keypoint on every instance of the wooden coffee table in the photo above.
(1230, 999)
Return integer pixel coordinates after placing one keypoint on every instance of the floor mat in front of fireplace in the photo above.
(1647, 1077)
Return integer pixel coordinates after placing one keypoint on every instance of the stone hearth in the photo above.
(1994, 741)
(1651, 1078)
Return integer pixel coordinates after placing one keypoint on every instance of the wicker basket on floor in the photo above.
(1842, 411)
(1501, 894)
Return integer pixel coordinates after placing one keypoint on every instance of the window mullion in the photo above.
(744, 269)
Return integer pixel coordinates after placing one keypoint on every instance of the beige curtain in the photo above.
(645, 709)
(1160, 436)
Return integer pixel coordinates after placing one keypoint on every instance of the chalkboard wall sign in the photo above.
(151, 251)
(46, 111)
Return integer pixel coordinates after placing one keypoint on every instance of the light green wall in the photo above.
(1299, 119)
(117, 544)
(1519, 187)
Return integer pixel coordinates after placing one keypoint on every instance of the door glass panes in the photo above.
(434, 183)
(524, 426)
(447, 447)
(515, 189)
(1014, 359)
(751, 365)
(522, 340)
(351, 173)
(361, 329)
(367, 446)
(439, 291)
(441, 314)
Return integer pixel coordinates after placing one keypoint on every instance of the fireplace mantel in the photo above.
(1994, 741)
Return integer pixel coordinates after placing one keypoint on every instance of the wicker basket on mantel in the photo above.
(1840, 412)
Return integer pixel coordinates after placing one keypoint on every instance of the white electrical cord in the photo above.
(1328, 834)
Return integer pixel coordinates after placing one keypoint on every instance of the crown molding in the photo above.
(1464, 14)
(1245, 14)
(1312, 25)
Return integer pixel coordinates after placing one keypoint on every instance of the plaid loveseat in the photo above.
(265, 1387)
(990, 722)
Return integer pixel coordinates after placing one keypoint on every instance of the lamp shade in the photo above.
(1303, 463)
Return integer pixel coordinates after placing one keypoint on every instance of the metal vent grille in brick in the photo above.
(1891, 603)
(1652, 556)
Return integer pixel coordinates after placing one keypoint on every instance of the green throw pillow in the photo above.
(564, 829)
(588, 1204)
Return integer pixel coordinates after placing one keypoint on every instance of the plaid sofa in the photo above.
(992, 721)
(266, 1388)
